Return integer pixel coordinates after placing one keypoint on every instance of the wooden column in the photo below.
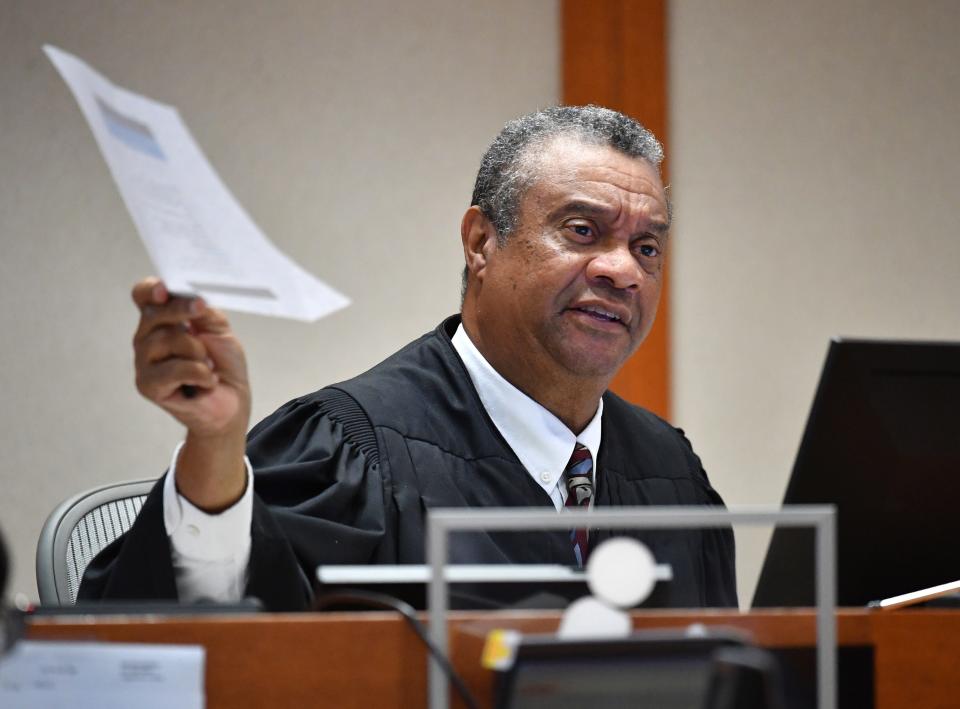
(615, 55)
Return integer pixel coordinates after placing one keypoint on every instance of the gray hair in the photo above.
(509, 167)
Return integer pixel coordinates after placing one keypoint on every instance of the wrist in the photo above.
(210, 471)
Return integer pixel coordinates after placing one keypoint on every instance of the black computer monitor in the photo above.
(882, 443)
(666, 669)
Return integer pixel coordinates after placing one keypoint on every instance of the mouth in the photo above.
(603, 314)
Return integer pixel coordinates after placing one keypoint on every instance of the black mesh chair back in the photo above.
(77, 530)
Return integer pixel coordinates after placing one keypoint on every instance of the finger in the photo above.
(149, 290)
(209, 320)
(174, 311)
(165, 342)
(161, 381)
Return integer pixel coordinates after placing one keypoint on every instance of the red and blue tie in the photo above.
(579, 479)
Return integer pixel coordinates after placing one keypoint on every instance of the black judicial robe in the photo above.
(345, 475)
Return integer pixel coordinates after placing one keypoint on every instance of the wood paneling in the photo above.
(374, 659)
(615, 55)
(917, 658)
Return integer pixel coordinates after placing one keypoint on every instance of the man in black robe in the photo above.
(564, 244)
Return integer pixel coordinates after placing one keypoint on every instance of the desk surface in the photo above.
(374, 659)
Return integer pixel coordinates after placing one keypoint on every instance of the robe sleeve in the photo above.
(718, 548)
(719, 562)
(318, 499)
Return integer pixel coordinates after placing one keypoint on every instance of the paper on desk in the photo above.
(40, 674)
(199, 238)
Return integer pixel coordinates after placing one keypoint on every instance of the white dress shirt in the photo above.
(541, 441)
(211, 552)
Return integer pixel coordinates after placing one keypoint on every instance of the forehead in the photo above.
(568, 168)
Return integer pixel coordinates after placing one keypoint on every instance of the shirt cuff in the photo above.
(201, 536)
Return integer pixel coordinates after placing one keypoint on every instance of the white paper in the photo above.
(200, 239)
(40, 674)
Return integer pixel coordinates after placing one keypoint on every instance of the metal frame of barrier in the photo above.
(822, 518)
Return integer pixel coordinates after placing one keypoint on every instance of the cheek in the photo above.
(648, 309)
(542, 271)
(568, 271)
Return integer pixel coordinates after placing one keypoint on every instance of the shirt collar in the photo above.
(540, 440)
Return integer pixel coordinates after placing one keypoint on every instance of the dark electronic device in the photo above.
(158, 607)
(882, 443)
(662, 669)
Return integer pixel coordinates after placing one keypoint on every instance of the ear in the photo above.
(479, 241)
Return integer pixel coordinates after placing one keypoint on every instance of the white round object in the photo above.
(621, 572)
(589, 617)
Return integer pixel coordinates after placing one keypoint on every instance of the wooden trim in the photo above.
(356, 661)
(615, 55)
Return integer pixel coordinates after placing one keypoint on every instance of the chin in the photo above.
(587, 353)
(592, 364)
(598, 371)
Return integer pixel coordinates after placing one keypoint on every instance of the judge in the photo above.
(503, 405)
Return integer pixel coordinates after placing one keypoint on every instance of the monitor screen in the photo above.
(652, 669)
(882, 443)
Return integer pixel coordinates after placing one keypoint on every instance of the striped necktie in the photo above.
(579, 479)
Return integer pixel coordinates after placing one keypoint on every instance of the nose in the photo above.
(615, 267)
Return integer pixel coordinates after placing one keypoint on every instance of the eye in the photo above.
(649, 254)
(649, 250)
(584, 231)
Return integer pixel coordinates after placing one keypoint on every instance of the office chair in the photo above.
(77, 530)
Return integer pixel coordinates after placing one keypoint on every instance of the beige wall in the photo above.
(816, 163)
(814, 155)
(349, 130)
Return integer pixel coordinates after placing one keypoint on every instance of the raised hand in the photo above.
(189, 363)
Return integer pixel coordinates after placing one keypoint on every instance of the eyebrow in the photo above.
(593, 209)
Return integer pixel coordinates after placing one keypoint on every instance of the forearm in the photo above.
(210, 471)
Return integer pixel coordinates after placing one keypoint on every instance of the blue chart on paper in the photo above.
(131, 133)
